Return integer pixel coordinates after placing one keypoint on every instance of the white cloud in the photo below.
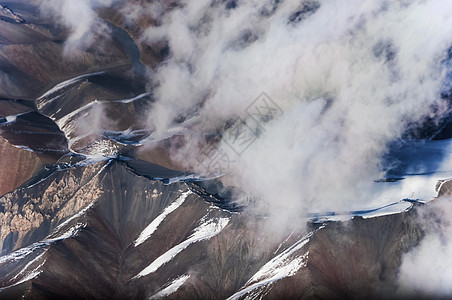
(349, 77)
(425, 270)
(81, 19)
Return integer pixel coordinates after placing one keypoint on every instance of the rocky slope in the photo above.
(124, 236)
(31, 52)
(16, 166)
(32, 61)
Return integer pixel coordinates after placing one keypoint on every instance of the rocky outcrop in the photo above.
(29, 214)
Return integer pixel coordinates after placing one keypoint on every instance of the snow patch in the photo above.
(91, 160)
(388, 209)
(61, 86)
(80, 213)
(12, 118)
(281, 266)
(24, 147)
(175, 130)
(64, 120)
(68, 234)
(33, 274)
(171, 288)
(29, 264)
(205, 231)
(24, 252)
(149, 230)
(132, 99)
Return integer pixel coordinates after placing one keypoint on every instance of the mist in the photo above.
(425, 270)
(339, 83)
(80, 18)
(348, 78)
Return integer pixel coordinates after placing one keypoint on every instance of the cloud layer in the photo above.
(350, 78)
(347, 80)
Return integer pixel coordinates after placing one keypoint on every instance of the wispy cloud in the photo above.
(425, 270)
(80, 18)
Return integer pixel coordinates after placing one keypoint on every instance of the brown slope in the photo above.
(16, 166)
(31, 53)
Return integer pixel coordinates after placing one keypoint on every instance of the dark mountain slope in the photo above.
(117, 235)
